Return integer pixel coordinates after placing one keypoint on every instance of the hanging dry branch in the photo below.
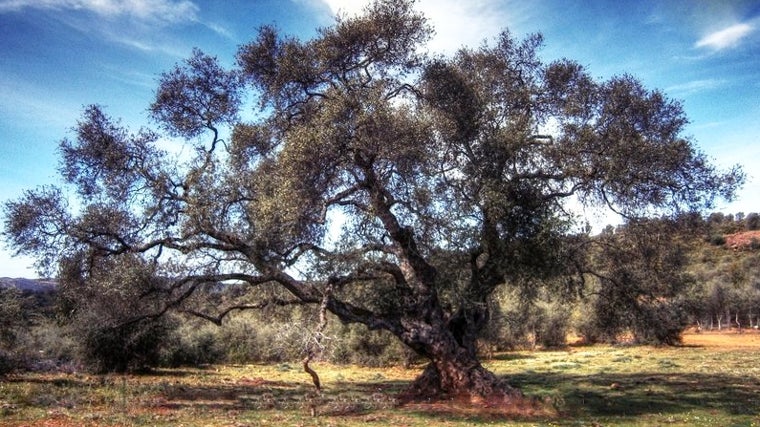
(315, 345)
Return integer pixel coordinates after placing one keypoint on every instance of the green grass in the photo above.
(588, 386)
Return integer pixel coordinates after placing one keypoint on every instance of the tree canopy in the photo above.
(396, 188)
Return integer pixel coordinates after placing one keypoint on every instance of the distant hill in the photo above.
(29, 285)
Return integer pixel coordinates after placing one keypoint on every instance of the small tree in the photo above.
(752, 221)
(114, 311)
(409, 186)
(641, 284)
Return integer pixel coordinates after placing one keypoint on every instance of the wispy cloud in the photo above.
(25, 102)
(136, 24)
(219, 30)
(695, 86)
(726, 38)
(155, 11)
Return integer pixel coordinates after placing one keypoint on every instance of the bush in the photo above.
(46, 345)
(752, 221)
(600, 322)
(130, 347)
(552, 326)
(660, 323)
(244, 337)
(194, 344)
(252, 337)
(512, 323)
(11, 316)
(524, 321)
(8, 362)
(355, 344)
(754, 244)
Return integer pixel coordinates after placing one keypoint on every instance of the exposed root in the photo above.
(481, 392)
(476, 381)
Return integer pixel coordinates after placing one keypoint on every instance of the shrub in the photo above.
(192, 343)
(11, 316)
(128, 347)
(356, 344)
(517, 323)
(660, 323)
(754, 244)
(553, 325)
(8, 362)
(752, 221)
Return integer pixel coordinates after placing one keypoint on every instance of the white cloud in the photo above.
(457, 23)
(350, 7)
(156, 11)
(725, 38)
(695, 86)
(136, 24)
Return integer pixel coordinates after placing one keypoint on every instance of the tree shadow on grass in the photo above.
(616, 396)
(177, 390)
(644, 393)
(335, 399)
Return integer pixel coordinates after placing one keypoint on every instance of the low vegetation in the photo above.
(713, 380)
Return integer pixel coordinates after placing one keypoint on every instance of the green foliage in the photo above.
(717, 240)
(122, 348)
(8, 362)
(113, 312)
(554, 325)
(752, 221)
(11, 316)
(354, 344)
(254, 337)
(524, 322)
(639, 283)
(193, 344)
(511, 324)
(251, 337)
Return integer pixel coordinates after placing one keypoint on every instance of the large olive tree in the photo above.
(396, 189)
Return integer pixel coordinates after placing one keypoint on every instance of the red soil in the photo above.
(742, 240)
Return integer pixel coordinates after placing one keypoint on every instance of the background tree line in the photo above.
(681, 273)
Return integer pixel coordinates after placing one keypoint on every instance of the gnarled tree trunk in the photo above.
(454, 369)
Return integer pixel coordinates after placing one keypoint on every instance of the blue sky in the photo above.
(60, 55)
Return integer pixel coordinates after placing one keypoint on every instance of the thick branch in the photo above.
(218, 318)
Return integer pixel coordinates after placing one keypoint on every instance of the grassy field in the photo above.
(713, 380)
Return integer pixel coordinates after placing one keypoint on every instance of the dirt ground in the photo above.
(723, 340)
(742, 240)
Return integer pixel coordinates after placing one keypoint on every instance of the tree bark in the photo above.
(454, 370)
(460, 376)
